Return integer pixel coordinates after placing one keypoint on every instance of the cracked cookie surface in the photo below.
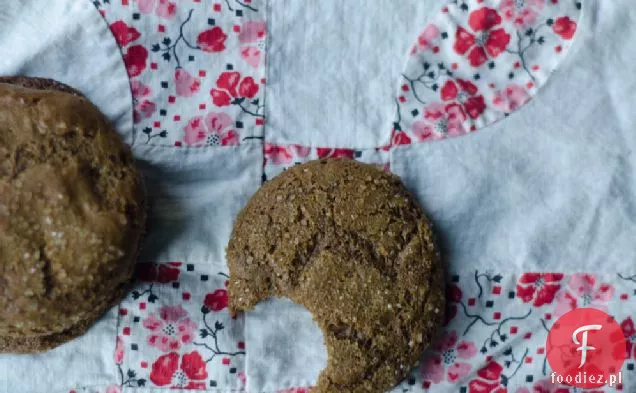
(348, 242)
(71, 214)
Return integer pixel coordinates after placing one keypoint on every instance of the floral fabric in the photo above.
(197, 77)
(477, 62)
(195, 67)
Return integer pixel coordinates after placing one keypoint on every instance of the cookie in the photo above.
(347, 241)
(72, 214)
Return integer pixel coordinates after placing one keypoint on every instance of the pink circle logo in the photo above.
(586, 348)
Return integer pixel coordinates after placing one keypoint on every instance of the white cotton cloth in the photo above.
(85, 361)
(553, 187)
(70, 42)
(333, 68)
(194, 196)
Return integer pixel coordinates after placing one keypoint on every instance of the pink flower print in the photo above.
(171, 329)
(583, 290)
(242, 377)
(439, 122)
(426, 40)
(447, 362)
(143, 108)
(301, 151)
(277, 155)
(523, 13)
(186, 84)
(113, 389)
(162, 8)
(252, 39)
(139, 90)
(119, 350)
(213, 130)
(295, 390)
(217, 124)
(511, 98)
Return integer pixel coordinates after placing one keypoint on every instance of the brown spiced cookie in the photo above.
(71, 214)
(348, 242)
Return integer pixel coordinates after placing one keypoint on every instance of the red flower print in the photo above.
(335, 153)
(163, 8)
(252, 39)
(538, 288)
(400, 138)
(186, 85)
(565, 27)
(135, 59)
(189, 373)
(629, 331)
(230, 85)
(172, 329)
(511, 98)
(426, 40)
(583, 290)
(216, 301)
(277, 154)
(453, 293)
(488, 380)
(119, 350)
(453, 296)
(440, 122)
(522, 13)
(123, 33)
(461, 97)
(213, 130)
(163, 273)
(446, 363)
(143, 108)
(487, 40)
(168, 272)
(212, 40)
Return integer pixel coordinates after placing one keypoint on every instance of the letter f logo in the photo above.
(583, 346)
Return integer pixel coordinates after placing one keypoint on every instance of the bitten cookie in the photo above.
(348, 242)
(71, 214)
